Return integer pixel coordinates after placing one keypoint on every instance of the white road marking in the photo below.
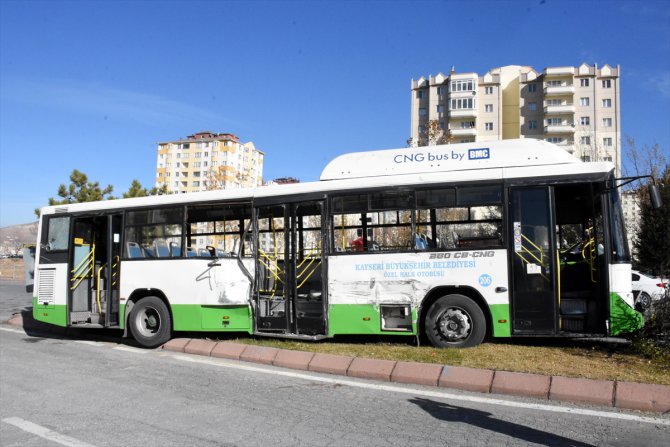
(45, 433)
(424, 392)
(133, 350)
(8, 329)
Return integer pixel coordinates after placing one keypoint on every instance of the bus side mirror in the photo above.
(655, 196)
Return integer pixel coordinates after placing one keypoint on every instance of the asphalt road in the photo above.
(13, 299)
(85, 393)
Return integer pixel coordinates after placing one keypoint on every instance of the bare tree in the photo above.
(431, 135)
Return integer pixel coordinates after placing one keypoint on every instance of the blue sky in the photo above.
(93, 85)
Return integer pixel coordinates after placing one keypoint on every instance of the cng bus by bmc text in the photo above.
(454, 243)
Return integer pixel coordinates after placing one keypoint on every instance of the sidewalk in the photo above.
(604, 393)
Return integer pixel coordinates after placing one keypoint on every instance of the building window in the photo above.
(196, 164)
(462, 103)
(607, 158)
(607, 103)
(607, 122)
(554, 102)
(489, 126)
(422, 128)
(465, 85)
(532, 106)
(554, 83)
(585, 141)
(440, 91)
(555, 140)
(585, 121)
(584, 101)
(488, 90)
(423, 111)
(440, 109)
(419, 95)
(586, 158)
(488, 107)
(532, 124)
(467, 124)
(198, 154)
(554, 122)
(584, 82)
(607, 142)
(607, 83)
(532, 88)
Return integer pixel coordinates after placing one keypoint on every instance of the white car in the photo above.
(647, 288)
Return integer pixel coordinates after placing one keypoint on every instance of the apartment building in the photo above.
(205, 161)
(574, 107)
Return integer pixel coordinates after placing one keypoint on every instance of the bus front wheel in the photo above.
(150, 322)
(455, 321)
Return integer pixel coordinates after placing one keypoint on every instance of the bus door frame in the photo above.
(112, 265)
(291, 325)
(530, 317)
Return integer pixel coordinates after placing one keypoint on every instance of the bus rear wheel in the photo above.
(150, 322)
(455, 321)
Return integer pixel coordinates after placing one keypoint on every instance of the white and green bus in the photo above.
(445, 243)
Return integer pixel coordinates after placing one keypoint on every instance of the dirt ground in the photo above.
(12, 269)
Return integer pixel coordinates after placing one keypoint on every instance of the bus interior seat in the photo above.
(204, 253)
(211, 250)
(134, 250)
(190, 252)
(149, 250)
(420, 241)
(220, 253)
(175, 249)
(162, 249)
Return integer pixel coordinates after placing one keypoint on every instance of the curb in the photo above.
(605, 393)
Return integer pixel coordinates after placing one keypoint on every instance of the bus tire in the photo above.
(150, 323)
(455, 321)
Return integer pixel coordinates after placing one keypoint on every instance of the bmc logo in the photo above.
(485, 280)
(478, 154)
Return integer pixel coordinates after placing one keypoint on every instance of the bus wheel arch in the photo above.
(464, 297)
(152, 307)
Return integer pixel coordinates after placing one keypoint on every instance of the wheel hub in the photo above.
(455, 324)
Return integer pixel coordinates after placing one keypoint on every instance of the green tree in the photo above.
(653, 242)
(137, 190)
(79, 190)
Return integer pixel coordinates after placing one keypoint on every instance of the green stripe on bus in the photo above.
(365, 319)
(186, 317)
(360, 319)
(500, 319)
(623, 318)
(52, 314)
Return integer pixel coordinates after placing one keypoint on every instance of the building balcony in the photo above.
(559, 90)
(462, 113)
(562, 109)
(469, 132)
(559, 128)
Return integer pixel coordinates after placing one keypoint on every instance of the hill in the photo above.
(13, 238)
